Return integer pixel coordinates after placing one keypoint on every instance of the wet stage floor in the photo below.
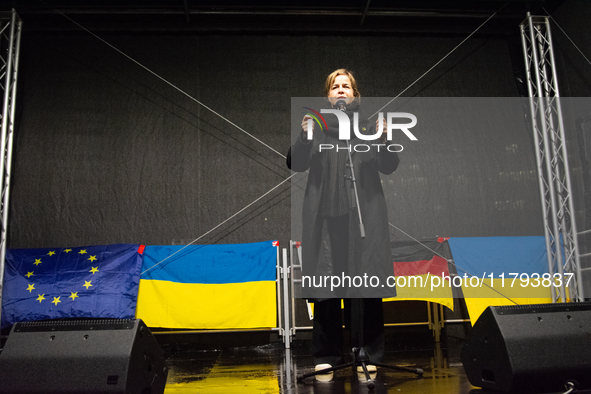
(214, 366)
(270, 368)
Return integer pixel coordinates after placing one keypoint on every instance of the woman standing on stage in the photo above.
(331, 241)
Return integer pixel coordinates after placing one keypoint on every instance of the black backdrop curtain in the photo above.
(106, 152)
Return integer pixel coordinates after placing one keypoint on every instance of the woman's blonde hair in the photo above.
(333, 75)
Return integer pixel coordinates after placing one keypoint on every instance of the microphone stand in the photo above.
(341, 106)
(355, 193)
(359, 355)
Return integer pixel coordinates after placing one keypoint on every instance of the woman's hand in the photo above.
(307, 122)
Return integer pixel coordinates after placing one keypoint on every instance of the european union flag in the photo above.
(90, 281)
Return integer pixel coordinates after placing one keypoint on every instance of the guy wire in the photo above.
(436, 64)
(450, 261)
(199, 103)
(222, 223)
(168, 83)
(566, 35)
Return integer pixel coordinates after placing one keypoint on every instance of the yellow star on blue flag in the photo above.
(107, 289)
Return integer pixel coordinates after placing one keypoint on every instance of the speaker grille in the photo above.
(75, 325)
(541, 308)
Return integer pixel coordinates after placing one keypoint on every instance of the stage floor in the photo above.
(270, 369)
(241, 363)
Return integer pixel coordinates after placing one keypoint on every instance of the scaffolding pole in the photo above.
(552, 160)
(10, 37)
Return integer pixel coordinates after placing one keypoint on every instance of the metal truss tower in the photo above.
(551, 159)
(10, 37)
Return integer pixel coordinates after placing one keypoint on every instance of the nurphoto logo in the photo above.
(345, 129)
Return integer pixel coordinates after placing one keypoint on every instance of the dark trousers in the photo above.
(363, 317)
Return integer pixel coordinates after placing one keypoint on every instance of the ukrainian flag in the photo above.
(209, 286)
(511, 271)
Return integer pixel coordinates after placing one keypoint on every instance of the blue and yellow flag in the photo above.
(506, 271)
(209, 286)
(80, 282)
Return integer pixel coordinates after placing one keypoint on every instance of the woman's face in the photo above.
(341, 89)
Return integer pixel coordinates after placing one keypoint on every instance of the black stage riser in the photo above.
(82, 356)
(530, 348)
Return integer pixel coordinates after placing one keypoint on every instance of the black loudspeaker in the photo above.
(530, 348)
(82, 356)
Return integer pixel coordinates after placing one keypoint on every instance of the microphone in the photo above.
(341, 105)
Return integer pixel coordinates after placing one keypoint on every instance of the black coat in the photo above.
(370, 256)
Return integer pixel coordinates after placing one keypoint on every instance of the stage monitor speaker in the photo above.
(530, 348)
(82, 356)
